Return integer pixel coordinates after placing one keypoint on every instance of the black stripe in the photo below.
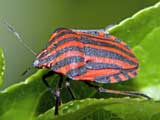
(60, 52)
(60, 35)
(59, 43)
(134, 73)
(66, 61)
(125, 72)
(104, 53)
(104, 39)
(65, 40)
(126, 75)
(106, 78)
(76, 72)
(42, 54)
(118, 40)
(107, 54)
(91, 31)
(98, 65)
(89, 41)
(102, 79)
(118, 79)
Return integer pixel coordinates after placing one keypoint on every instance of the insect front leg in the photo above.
(50, 73)
(67, 84)
(128, 93)
(57, 94)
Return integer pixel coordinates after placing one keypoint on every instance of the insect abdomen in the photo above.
(107, 60)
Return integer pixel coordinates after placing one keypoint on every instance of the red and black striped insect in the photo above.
(89, 56)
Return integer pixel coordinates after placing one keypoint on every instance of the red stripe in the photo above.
(65, 55)
(101, 35)
(61, 38)
(112, 79)
(68, 67)
(41, 53)
(68, 44)
(91, 74)
(109, 41)
(122, 77)
(56, 33)
(130, 75)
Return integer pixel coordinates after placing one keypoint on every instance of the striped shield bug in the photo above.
(89, 56)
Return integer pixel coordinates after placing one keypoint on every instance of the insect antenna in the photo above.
(12, 29)
(26, 71)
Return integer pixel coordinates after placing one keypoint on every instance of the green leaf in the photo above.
(26, 100)
(142, 32)
(134, 29)
(19, 101)
(2, 67)
(148, 79)
(106, 109)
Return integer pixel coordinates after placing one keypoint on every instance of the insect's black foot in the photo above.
(57, 98)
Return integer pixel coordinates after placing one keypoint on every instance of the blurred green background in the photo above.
(36, 19)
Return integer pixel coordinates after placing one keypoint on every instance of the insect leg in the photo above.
(91, 85)
(50, 73)
(57, 94)
(69, 89)
(129, 93)
(26, 71)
